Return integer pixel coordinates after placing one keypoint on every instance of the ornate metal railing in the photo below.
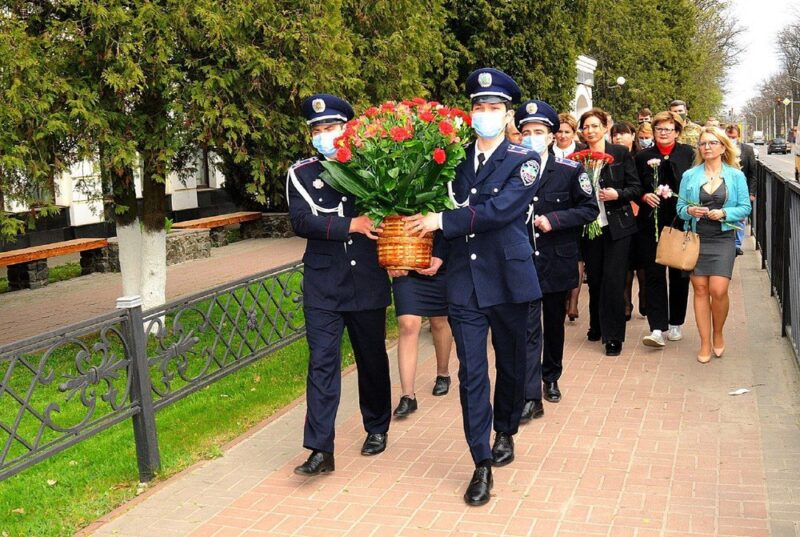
(776, 221)
(60, 388)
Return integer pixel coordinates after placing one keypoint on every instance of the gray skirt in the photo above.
(717, 251)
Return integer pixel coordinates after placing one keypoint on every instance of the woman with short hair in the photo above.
(670, 158)
(713, 198)
(606, 256)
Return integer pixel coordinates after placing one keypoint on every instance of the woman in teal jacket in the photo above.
(713, 198)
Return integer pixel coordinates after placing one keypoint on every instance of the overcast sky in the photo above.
(762, 20)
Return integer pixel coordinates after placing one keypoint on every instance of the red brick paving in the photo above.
(648, 443)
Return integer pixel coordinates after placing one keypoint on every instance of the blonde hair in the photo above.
(669, 117)
(731, 154)
(645, 128)
(569, 119)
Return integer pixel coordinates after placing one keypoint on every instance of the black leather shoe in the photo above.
(532, 410)
(406, 406)
(593, 335)
(613, 348)
(374, 444)
(739, 251)
(503, 449)
(551, 392)
(478, 491)
(319, 462)
(442, 385)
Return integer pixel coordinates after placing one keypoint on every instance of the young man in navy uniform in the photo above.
(343, 286)
(491, 278)
(563, 201)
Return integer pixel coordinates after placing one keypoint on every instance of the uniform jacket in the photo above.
(621, 176)
(564, 195)
(737, 203)
(488, 250)
(670, 172)
(341, 270)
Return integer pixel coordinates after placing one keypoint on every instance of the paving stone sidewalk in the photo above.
(645, 444)
(29, 312)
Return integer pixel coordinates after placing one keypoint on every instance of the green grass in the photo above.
(56, 274)
(70, 490)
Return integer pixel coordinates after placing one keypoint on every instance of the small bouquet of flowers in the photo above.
(654, 163)
(396, 160)
(593, 162)
(664, 191)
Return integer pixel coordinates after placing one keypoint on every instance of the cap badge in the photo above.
(531, 108)
(318, 105)
(485, 79)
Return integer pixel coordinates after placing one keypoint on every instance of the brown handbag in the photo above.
(678, 249)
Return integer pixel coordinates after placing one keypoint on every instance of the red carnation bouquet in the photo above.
(593, 162)
(396, 159)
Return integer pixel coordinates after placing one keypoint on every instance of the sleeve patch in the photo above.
(529, 172)
(586, 184)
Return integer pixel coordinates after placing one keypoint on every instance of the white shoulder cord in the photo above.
(453, 197)
(315, 209)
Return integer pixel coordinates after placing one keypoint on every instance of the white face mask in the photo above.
(489, 124)
(536, 142)
(323, 142)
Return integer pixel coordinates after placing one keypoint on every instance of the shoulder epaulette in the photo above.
(518, 149)
(567, 162)
(303, 162)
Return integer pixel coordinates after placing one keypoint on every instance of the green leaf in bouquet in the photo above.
(344, 179)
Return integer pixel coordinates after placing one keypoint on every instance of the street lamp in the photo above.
(619, 83)
(786, 102)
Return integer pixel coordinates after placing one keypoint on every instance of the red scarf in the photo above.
(665, 149)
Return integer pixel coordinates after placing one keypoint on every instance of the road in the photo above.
(783, 164)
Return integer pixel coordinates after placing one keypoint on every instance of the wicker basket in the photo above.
(398, 250)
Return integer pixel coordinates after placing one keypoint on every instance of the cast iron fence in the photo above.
(776, 221)
(60, 388)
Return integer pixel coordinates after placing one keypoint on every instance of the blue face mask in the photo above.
(323, 142)
(536, 143)
(488, 124)
(646, 143)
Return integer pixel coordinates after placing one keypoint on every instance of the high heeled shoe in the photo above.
(718, 352)
(703, 359)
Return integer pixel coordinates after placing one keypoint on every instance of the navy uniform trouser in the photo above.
(470, 325)
(545, 342)
(661, 310)
(606, 269)
(367, 331)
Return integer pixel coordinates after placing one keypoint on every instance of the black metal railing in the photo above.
(60, 388)
(776, 222)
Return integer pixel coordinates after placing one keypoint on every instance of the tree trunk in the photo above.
(154, 237)
(129, 230)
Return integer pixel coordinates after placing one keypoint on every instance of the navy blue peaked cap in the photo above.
(322, 108)
(535, 111)
(492, 85)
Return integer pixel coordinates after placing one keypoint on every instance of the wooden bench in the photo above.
(27, 267)
(216, 224)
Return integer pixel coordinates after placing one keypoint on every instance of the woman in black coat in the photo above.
(665, 316)
(606, 256)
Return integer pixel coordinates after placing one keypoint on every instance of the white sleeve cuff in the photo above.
(441, 226)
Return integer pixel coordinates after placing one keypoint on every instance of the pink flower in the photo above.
(664, 191)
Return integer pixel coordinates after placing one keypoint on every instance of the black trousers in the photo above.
(545, 353)
(662, 310)
(470, 324)
(606, 268)
(367, 331)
